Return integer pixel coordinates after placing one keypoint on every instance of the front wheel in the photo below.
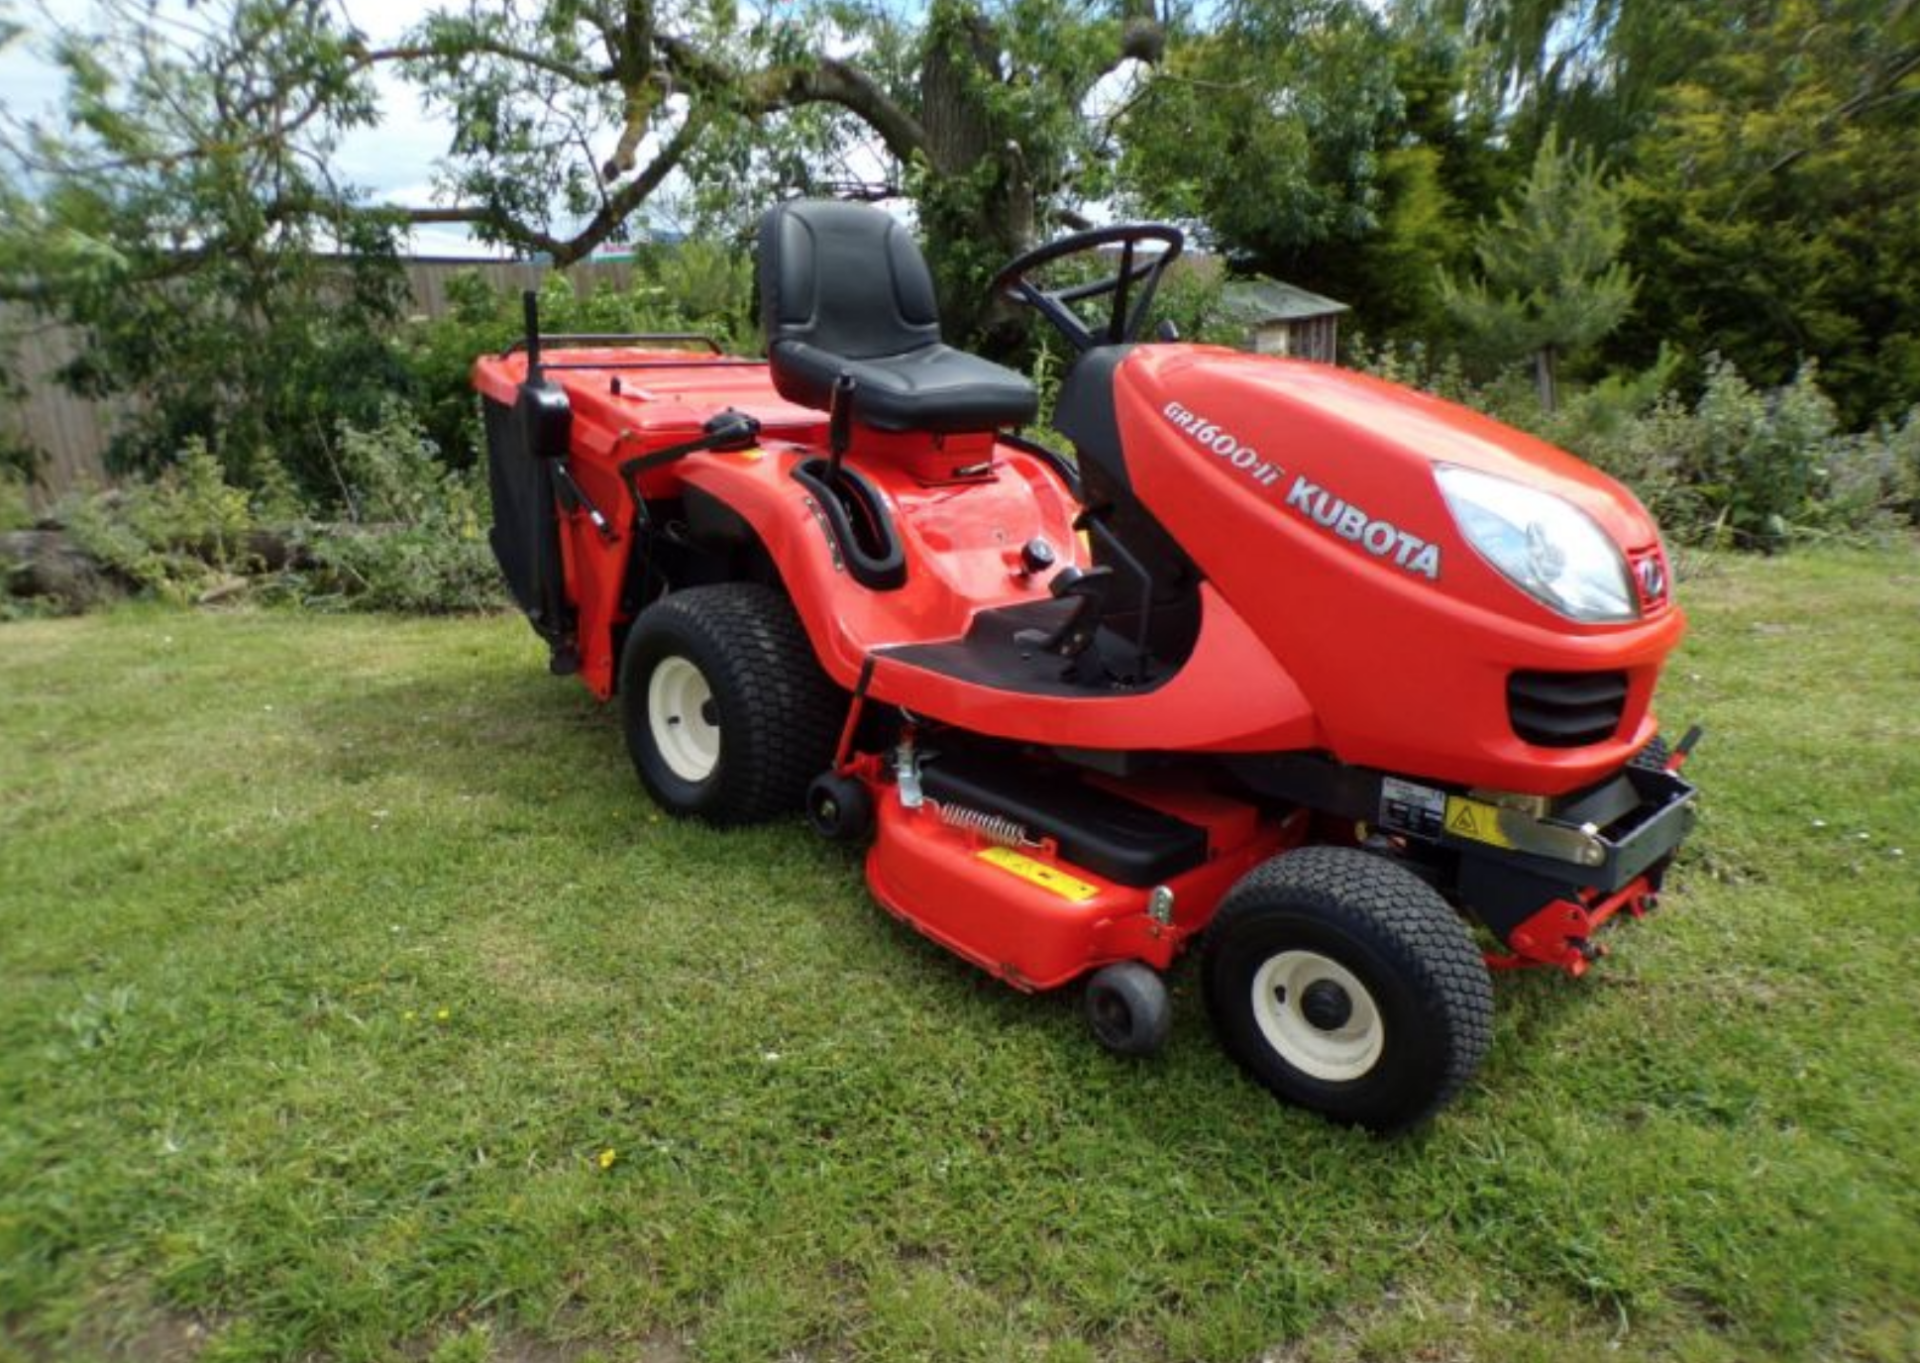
(1345, 984)
(727, 713)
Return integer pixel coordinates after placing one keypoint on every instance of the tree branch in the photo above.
(585, 77)
(824, 80)
(613, 213)
(831, 81)
(623, 201)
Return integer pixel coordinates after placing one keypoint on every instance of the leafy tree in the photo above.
(1262, 125)
(1443, 157)
(1593, 69)
(975, 105)
(1550, 281)
(570, 118)
(1772, 211)
(184, 217)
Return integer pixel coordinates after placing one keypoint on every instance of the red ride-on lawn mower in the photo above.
(1313, 669)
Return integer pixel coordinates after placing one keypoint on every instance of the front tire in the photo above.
(1346, 985)
(726, 711)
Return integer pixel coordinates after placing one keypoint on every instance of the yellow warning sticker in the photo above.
(1049, 878)
(1476, 820)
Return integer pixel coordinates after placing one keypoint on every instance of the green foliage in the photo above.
(692, 287)
(414, 538)
(1748, 468)
(1737, 467)
(173, 536)
(183, 217)
(1549, 281)
(417, 540)
(1263, 126)
(1772, 211)
(1396, 276)
(1593, 68)
(16, 510)
(1190, 297)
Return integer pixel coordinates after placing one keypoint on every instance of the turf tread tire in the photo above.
(781, 714)
(1408, 928)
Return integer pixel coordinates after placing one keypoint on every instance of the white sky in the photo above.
(393, 161)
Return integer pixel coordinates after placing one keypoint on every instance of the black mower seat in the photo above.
(843, 290)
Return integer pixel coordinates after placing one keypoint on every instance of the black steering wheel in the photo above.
(1143, 271)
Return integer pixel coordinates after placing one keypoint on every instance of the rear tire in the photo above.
(726, 711)
(1346, 985)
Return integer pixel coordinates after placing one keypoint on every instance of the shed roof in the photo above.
(1259, 300)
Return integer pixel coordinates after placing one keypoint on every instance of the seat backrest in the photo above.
(846, 278)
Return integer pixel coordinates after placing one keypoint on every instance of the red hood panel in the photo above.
(1306, 495)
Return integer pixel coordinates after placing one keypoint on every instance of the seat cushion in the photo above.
(934, 388)
(843, 289)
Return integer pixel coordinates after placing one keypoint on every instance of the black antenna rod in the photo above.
(530, 307)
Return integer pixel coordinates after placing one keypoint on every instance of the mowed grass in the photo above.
(355, 1004)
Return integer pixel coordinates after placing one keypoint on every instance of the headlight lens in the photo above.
(1543, 544)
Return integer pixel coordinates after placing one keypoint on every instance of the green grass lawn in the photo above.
(355, 1004)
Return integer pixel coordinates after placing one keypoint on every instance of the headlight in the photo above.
(1543, 544)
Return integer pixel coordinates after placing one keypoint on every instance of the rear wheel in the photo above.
(1345, 984)
(726, 711)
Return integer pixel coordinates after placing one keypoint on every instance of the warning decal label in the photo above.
(1475, 821)
(1049, 878)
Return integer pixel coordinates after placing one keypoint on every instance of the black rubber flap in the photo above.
(1108, 834)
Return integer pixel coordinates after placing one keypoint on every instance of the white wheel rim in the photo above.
(678, 703)
(1338, 1054)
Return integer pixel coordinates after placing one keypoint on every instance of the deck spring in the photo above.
(993, 827)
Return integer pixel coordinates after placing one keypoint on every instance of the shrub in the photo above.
(1738, 467)
(16, 511)
(695, 286)
(414, 536)
(173, 536)
(416, 539)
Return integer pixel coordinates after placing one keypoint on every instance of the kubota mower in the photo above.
(1345, 683)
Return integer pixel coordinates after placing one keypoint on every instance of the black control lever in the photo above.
(728, 430)
(1071, 636)
(839, 425)
(574, 498)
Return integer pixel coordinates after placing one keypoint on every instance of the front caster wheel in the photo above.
(1345, 984)
(726, 712)
(839, 808)
(1127, 1008)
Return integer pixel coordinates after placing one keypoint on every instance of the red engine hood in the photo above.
(1306, 495)
(1316, 418)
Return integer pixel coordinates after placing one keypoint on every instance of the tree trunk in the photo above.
(1543, 381)
(978, 211)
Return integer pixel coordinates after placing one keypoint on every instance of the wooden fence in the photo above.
(72, 433)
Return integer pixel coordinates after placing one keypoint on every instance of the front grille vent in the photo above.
(1566, 709)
